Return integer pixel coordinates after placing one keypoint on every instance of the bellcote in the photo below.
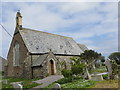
(18, 20)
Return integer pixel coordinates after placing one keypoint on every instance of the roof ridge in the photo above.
(46, 32)
(80, 44)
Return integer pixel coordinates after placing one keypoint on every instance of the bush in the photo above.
(69, 79)
(77, 77)
(66, 73)
(105, 76)
(64, 80)
(78, 68)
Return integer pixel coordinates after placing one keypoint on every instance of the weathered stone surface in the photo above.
(48, 80)
(56, 86)
(42, 70)
(16, 71)
(3, 62)
(42, 42)
(108, 64)
(97, 77)
(4, 81)
(86, 74)
(17, 86)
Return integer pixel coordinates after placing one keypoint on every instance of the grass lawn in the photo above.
(79, 83)
(27, 83)
(99, 70)
(106, 84)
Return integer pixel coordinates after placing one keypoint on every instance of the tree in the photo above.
(66, 73)
(90, 56)
(76, 60)
(102, 58)
(77, 66)
(115, 56)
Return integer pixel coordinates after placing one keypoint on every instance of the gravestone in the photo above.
(97, 77)
(108, 64)
(17, 86)
(4, 81)
(56, 86)
(0, 84)
(86, 74)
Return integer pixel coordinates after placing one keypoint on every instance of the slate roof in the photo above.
(39, 60)
(82, 46)
(43, 42)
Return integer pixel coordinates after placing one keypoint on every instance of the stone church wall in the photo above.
(66, 60)
(40, 71)
(16, 71)
(27, 68)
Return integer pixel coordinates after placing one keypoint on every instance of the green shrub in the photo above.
(7, 86)
(66, 73)
(64, 80)
(78, 68)
(77, 77)
(105, 76)
(69, 79)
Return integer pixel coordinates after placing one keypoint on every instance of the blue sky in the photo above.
(91, 23)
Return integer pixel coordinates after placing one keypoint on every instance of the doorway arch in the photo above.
(52, 71)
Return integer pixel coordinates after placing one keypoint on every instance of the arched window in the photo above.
(16, 54)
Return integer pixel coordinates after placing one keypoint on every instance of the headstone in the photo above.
(56, 86)
(17, 86)
(86, 74)
(4, 81)
(0, 84)
(97, 77)
(109, 68)
(116, 77)
(93, 66)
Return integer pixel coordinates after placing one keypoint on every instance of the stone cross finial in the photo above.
(50, 50)
(19, 10)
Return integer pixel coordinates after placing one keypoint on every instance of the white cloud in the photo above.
(0, 41)
(61, 0)
(72, 8)
(92, 19)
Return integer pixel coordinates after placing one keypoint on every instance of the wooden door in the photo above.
(52, 67)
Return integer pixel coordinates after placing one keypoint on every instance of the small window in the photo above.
(16, 54)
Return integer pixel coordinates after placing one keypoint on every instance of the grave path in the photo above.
(47, 81)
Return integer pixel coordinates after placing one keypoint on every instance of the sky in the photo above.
(94, 24)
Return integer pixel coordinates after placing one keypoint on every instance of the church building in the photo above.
(38, 54)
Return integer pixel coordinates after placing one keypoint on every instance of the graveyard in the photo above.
(96, 73)
(57, 45)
